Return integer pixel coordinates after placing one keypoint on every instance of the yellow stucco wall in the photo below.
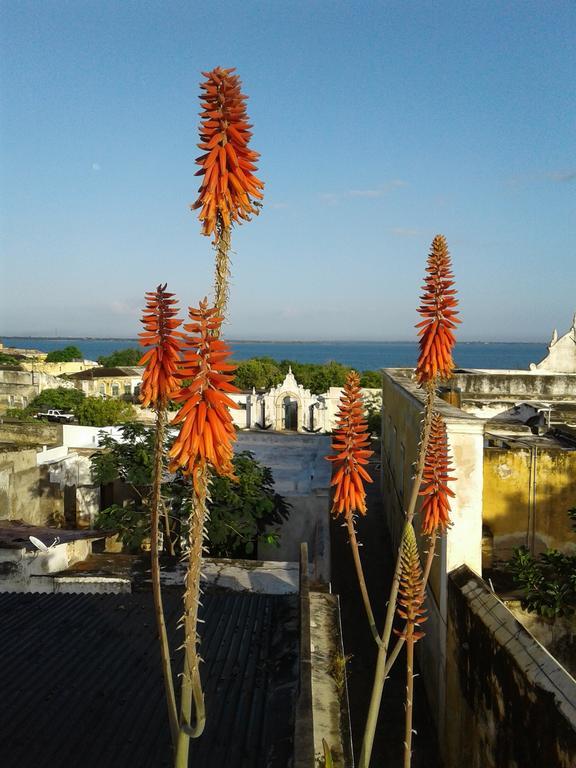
(104, 385)
(526, 498)
(57, 369)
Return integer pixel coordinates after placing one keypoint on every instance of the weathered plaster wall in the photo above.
(302, 475)
(57, 369)
(18, 388)
(527, 493)
(401, 418)
(19, 496)
(509, 703)
(31, 434)
(516, 385)
(109, 386)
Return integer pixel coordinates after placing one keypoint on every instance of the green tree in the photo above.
(8, 360)
(100, 412)
(64, 355)
(371, 380)
(241, 511)
(264, 372)
(61, 398)
(121, 357)
(258, 372)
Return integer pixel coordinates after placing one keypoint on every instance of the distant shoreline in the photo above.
(258, 341)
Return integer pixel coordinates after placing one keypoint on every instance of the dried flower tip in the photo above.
(411, 591)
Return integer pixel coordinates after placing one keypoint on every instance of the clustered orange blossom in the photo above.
(435, 509)
(411, 591)
(438, 308)
(350, 452)
(160, 321)
(229, 188)
(207, 431)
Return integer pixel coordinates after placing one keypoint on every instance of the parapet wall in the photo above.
(509, 703)
(30, 433)
(512, 385)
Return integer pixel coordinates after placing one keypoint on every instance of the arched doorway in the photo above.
(290, 415)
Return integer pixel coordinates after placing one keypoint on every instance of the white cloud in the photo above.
(331, 198)
(404, 232)
(562, 176)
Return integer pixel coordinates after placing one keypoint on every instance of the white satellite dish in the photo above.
(40, 544)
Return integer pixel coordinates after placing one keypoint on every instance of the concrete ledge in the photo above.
(509, 702)
(262, 576)
(329, 692)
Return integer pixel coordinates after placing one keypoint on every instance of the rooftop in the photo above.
(86, 686)
(106, 373)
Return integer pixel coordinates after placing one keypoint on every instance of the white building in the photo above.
(290, 407)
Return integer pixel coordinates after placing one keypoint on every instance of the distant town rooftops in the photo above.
(107, 373)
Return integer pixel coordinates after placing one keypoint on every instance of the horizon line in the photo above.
(275, 341)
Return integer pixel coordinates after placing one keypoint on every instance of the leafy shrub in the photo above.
(264, 372)
(241, 512)
(121, 357)
(65, 355)
(548, 582)
(100, 412)
(61, 398)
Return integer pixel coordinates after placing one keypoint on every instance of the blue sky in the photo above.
(380, 124)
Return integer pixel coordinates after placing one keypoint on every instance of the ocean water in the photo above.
(361, 355)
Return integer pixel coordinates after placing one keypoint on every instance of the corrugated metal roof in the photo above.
(80, 681)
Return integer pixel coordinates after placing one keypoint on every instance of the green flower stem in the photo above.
(380, 672)
(361, 579)
(155, 569)
(191, 692)
(409, 696)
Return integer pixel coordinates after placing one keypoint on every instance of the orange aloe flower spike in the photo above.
(435, 478)
(438, 310)
(229, 191)
(207, 431)
(350, 441)
(160, 323)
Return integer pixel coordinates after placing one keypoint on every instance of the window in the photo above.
(115, 389)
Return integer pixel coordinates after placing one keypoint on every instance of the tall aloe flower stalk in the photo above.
(438, 310)
(436, 494)
(351, 454)
(435, 363)
(229, 192)
(204, 443)
(158, 382)
(409, 607)
(207, 431)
